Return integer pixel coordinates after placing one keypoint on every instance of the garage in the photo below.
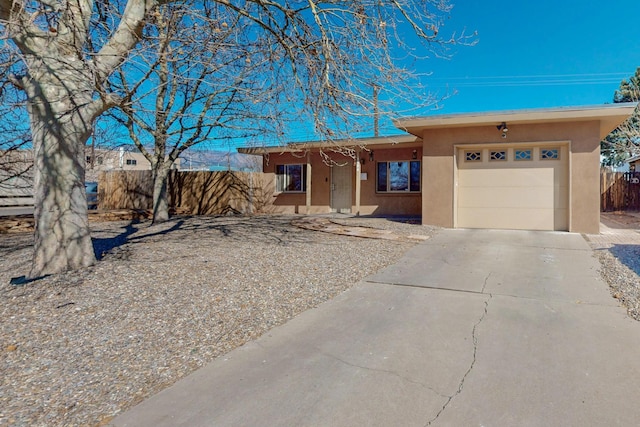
(535, 169)
(520, 187)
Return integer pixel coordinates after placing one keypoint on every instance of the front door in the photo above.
(341, 188)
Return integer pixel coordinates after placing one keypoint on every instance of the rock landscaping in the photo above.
(164, 300)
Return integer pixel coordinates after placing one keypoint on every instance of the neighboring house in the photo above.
(16, 172)
(219, 161)
(633, 163)
(528, 169)
(117, 159)
(16, 178)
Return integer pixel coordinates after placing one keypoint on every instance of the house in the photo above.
(16, 170)
(528, 169)
(633, 164)
(104, 160)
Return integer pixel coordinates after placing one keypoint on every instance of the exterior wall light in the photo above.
(503, 128)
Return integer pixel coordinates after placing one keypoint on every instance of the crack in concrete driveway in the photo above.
(382, 371)
(473, 361)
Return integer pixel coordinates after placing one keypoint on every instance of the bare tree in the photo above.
(322, 58)
(203, 83)
(230, 71)
(63, 69)
(15, 138)
(15, 160)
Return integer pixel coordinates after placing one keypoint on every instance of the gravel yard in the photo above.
(77, 348)
(621, 270)
(164, 300)
(617, 247)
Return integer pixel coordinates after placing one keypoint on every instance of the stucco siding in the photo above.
(585, 179)
(371, 202)
(439, 166)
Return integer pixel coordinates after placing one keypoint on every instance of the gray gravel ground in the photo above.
(78, 348)
(617, 247)
(621, 270)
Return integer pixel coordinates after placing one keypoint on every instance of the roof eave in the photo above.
(610, 116)
(353, 142)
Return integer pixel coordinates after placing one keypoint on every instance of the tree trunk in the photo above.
(59, 130)
(160, 197)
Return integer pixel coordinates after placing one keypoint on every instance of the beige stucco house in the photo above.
(103, 160)
(528, 169)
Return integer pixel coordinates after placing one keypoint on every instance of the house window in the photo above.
(549, 154)
(291, 178)
(522, 155)
(99, 160)
(498, 155)
(398, 176)
(473, 156)
(132, 162)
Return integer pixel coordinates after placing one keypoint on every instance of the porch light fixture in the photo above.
(371, 156)
(503, 128)
(414, 155)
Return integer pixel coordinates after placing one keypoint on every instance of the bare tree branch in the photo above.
(20, 26)
(126, 36)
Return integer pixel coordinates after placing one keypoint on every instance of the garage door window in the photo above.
(549, 154)
(498, 155)
(523, 155)
(473, 156)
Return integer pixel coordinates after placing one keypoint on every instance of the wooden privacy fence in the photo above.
(619, 191)
(196, 193)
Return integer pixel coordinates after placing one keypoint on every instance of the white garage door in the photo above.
(518, 188)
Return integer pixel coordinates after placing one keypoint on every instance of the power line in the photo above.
(530, 80)
(533, 76)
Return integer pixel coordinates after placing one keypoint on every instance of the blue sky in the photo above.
(527, 54)
(536, 54)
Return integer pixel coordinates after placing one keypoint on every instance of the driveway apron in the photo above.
(470, 328)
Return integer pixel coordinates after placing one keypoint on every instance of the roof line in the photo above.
(347, 142)
(621, 105)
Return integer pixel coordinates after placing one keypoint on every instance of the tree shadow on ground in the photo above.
(629, 255)
(241, 228)
(266, 229)
(103, 245)
(414, 220)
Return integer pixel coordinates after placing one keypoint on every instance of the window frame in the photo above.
(282, 185)
(411, 181)
(523, 150)
(469, 154)
(131, 162)
(494, 155)
(549, 149)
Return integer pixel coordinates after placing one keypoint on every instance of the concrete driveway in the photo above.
(471, 328)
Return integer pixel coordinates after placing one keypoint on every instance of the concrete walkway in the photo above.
(616, 228)
(470, 328)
